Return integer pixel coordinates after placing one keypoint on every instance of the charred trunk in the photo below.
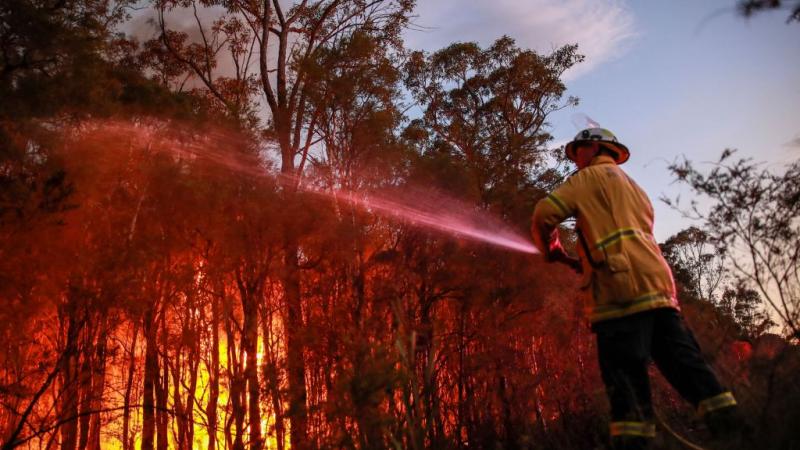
(162, 386)
(150, 380)
(69, 385)
(98, 386)
(298, 435)
(251, 374)
(213, 382)
(270, 374)
(127, 443)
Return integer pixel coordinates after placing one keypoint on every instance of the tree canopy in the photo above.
(179, 266)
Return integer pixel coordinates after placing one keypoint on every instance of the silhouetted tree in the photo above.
(744, 304)
(751, 7)
(753, 220)
(695, 262)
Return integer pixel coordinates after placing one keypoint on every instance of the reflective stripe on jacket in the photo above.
(615, 218)
(639, 429)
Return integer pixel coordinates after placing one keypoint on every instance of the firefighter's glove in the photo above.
(559, 255)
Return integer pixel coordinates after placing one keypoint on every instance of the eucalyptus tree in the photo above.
(268, 45)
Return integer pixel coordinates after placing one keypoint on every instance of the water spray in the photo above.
(581, 121)
(419, 207)
(435, 211)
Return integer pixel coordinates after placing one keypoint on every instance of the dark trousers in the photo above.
(625, 347)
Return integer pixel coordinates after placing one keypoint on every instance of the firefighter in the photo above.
(633, 308)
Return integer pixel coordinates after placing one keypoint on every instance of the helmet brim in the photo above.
(621, 153)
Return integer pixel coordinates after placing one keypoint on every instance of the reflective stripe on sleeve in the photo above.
(553, 198)
(643, 429)
(723, 400)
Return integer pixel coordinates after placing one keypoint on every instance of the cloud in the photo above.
(794, 143)
(603, 29)
(143, 26)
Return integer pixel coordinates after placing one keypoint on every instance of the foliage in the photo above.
(51, 49)
(696, 264)
(750, 7)
(489, 108)
(167, 282)
(753, 220)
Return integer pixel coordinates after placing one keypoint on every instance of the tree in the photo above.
(489, 107)
(296, 34)
(744, 304)
(49, 49)
(749, 8)
(355, 89)
(166, 280)
(695, 263)
(753, 221)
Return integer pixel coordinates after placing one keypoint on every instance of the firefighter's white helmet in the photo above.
(602, 136)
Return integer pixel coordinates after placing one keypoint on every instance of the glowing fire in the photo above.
(426, 210)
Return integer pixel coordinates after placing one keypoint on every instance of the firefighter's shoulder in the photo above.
(570, 177)
(574, 178)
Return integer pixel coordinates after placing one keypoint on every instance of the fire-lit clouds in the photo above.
(604, 30)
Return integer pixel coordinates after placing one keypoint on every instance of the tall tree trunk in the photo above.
(460, 414)
(127, 443)
(150, 380)
(177, 399)
(69, 387)
(85, 387)
(251, 371)
(162, 389)
(270, 374)
(194, 357)
(509, 430)
(69, 406)
(250, 293)
(213, 382)
(184, 368)
(98, 386)
(236, 390)
(298, 415)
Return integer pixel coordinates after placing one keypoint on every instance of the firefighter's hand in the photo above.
(559, 255)
(573, 263)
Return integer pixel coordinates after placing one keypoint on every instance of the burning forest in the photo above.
(271, 225)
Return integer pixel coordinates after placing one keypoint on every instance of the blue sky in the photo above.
(682, 77)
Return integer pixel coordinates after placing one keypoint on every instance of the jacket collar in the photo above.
(602, 159)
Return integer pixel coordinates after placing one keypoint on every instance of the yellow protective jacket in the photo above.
(624, 268)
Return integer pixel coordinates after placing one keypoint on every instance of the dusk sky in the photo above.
(683, 77)
(669, 78)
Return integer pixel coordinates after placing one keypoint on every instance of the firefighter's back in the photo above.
(615, 217)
